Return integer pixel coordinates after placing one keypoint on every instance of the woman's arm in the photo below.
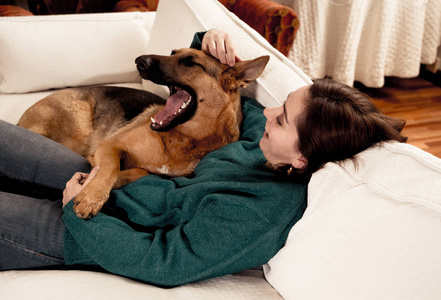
(228, 234)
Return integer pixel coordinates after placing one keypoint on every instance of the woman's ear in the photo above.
(300, 162)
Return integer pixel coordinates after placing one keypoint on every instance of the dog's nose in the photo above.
(143, 62)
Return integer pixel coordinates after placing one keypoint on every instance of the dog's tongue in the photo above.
(172, 106)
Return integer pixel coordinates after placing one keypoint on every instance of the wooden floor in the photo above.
(416, 100)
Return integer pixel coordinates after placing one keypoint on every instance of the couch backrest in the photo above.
(177, 21)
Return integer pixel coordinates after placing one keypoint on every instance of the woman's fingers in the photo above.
(91, 175)
(220, 45)
(75, 185)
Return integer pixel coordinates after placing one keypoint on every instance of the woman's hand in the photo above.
(74, 185)
(219, 44)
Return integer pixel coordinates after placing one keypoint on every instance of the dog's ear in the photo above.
(248, 70)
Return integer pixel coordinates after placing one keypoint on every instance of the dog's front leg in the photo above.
(127, 176)
(92, 198)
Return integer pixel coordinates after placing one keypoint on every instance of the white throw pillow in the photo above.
(368, 233)
(44, 52)
(177, 21)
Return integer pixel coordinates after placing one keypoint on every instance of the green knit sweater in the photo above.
(231, 214)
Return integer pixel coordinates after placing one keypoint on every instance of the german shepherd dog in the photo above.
(131, 133)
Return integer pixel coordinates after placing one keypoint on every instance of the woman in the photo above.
(231, 215)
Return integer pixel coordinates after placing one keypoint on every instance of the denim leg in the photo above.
(31, 229)
(32, 158)
(31, 232)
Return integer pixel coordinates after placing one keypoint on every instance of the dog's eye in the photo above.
(187, 60)
(173, 52)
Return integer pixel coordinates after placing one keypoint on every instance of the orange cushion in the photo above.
(277, 23)
(136, 5)
(10, 10)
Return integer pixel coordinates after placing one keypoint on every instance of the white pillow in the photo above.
(177, 21)
(368, 233)
(43, 52)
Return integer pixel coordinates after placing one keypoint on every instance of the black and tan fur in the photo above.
(113, 129)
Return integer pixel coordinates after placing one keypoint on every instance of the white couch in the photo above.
(371, 232)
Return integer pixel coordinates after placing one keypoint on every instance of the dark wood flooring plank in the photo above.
(416, 100)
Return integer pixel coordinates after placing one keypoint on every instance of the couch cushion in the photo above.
(177, 21)
(369, 232)
(44, 52)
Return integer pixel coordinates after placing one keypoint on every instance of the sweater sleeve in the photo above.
(197, 40)
(223, 237)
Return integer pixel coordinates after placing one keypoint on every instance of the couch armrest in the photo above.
(277, 23)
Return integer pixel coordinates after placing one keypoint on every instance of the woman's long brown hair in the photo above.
(339, 121)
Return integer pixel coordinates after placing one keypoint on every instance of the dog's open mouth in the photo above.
(178, 106)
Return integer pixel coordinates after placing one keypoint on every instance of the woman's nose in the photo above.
(269, 112)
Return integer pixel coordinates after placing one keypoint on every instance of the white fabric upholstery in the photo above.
(44, 52)
(371, 232)
(73, 285)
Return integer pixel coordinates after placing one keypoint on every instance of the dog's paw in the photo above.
(89, 202)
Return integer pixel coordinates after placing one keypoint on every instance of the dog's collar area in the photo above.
(178, 105)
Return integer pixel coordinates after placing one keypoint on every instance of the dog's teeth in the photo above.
(153, 120)
(179, 110)
(160, 123)
(184, 105)
(175, 113)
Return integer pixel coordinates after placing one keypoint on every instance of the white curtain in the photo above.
(365, 40)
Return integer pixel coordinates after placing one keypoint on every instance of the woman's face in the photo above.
(279, 140)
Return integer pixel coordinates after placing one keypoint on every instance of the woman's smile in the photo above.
(265, 133)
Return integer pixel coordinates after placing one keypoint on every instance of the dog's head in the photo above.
(199, 84)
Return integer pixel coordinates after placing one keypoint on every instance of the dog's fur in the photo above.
(113, 127)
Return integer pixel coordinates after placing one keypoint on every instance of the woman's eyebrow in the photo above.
(284, 112)
(284, 108)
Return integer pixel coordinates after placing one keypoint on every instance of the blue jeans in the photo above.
(33, 173)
